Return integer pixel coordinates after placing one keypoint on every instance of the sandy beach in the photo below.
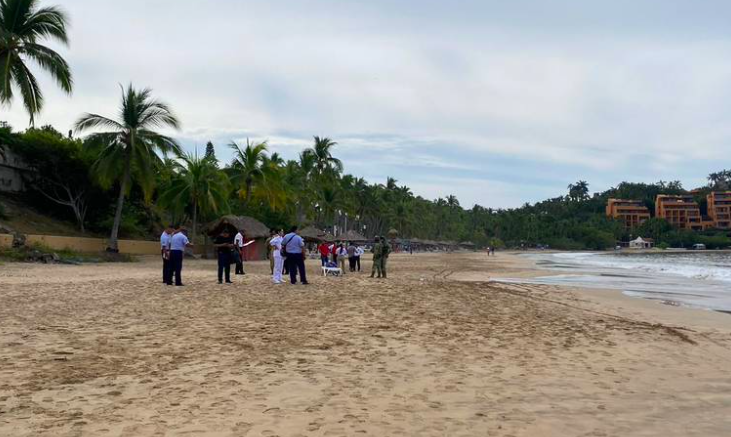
(436, 349)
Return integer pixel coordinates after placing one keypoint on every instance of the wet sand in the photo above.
(436, 349)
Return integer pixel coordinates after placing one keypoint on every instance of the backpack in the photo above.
(284, 245)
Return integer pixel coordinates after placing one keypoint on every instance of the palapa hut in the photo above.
(253, 230)
(352, 236)
(312, 235)
(467, 245)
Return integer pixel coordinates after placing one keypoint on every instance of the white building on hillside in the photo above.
(642, 243)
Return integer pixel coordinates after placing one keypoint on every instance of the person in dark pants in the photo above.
(178, 243)
(224, 245)
(167, 277)
(295, 247)
(358, 252)
(238, 257)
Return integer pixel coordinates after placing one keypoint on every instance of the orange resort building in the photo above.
(719, 209)
(632, 212)
(680, 211)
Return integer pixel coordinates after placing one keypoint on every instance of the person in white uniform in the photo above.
(276, 243)
(239, 248)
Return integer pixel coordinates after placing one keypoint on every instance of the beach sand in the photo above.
(436, 349)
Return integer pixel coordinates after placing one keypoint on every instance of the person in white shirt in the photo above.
(276, 253)
(165, 237)
(239, 247)
(178, 243)
(358, 252)
(342, 256)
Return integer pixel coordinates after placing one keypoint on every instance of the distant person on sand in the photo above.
(165, 237)
(342, 254)
(358, 253)
(276, 255)
(178, 243)
(334, 252)
(492, 250)
(239, 256)
(385, 251)
(488, 250)
(351, 256)
(295, 246)
(270, 249)
(324, 250)
(377, 253)
(225, 246)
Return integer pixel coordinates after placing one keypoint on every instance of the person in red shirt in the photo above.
(324, 252)
(334, 252)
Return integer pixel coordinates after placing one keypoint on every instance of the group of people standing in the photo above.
(173, 241)
(381, 250)
(286, 255)
(338, 253)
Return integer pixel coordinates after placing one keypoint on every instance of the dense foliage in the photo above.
(314, 190)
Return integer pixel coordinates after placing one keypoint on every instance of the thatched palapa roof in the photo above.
(311, 233)
(252, 227)
(352, 236)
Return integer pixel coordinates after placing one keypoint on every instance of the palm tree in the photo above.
(321, 152)
(22, 25)
(130, 147)
(578, 191)
(200, 184)
(248, 166)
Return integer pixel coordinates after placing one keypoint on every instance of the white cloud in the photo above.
(431, 87)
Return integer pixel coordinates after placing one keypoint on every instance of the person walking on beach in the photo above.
(270, 248)
(178, 242)
(238, 256)
(385, 251)
(165, 237)
(351, 256)
(294, 246)
(342, 253)
(358, 253)
(376, 257)
(225, 247)
(324, 253)
(276, 253)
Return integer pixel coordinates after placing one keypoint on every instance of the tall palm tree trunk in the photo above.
(113, 239)
(195, 221)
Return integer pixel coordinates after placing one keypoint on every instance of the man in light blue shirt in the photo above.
(178, 243)
(165, 237)
(295, 246)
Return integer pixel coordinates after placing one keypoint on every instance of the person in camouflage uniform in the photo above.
(385, 251)
(377, 252)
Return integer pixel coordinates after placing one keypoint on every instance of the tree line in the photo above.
(128, 178)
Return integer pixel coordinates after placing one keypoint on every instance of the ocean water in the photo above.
(698, 279)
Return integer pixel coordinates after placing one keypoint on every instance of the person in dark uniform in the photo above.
(224, 245)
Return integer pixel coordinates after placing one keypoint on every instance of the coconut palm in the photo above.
(325, 162)
(199, 184)
(248, 167)
(23, 26)
(130, 146)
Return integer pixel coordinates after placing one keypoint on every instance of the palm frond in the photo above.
(52, 62)
(29, 89)
(93, 121)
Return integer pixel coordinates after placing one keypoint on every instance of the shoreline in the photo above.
(617, 300)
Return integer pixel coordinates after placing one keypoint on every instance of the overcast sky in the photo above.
(497, 102)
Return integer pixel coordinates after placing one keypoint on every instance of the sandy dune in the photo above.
(106, 350)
